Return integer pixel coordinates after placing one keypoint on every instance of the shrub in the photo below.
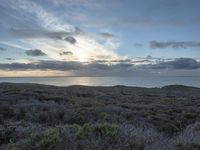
(97, 136)
(44, 116)
(21, 113)
(106, 117)
(47, 140)
(59, 114)
(1, 119)
(7, 134)
(6, 111)
(109, 136)
(98, 130)
(189, 146)
(88, 136)
(189, 139)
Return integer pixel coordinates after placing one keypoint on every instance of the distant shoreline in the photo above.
(46, 85)
(149, 82)
(92, 76)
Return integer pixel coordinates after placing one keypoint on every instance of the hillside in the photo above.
(34, 116)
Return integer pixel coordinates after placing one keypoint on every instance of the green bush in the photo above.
(189, 146)
(104, 117)
(98, 130)
(46, 140)
(88, 136)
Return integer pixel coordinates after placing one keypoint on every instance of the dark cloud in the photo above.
(179, 63)
(43, 65)
(9, 58)
(2, 49)
(65, 53)
(107, 35)
(63, 65)
(70, 39)
(123, 61)
(97, 68)
(35, 52)
(173, 44)
(42, 33)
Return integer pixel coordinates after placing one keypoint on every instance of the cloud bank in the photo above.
(173, 44)
(177, 64)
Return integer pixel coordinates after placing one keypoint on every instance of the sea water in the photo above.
(108, 81)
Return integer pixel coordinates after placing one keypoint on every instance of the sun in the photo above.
(81, 56)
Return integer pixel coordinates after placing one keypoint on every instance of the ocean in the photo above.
(107, 81)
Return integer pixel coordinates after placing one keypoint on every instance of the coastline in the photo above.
(136, 81)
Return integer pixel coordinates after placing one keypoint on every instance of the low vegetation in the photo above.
(39, 117)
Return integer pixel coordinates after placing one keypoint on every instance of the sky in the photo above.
(99, 38)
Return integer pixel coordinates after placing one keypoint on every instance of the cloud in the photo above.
(42, 33)
(41, 26)
(179, 66)
(124, 22)
(173, 44)
(109, 40)
(46, 19)
(70, 39)
(13, 45)
(42, 65)
(123, 67)
(35, 52)
(65, 53)
(107, 35)
(91, 4)
(9, 58)
(138, 45)
(63, 65)
(179, 63)
(2, 49)
(145, 22)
